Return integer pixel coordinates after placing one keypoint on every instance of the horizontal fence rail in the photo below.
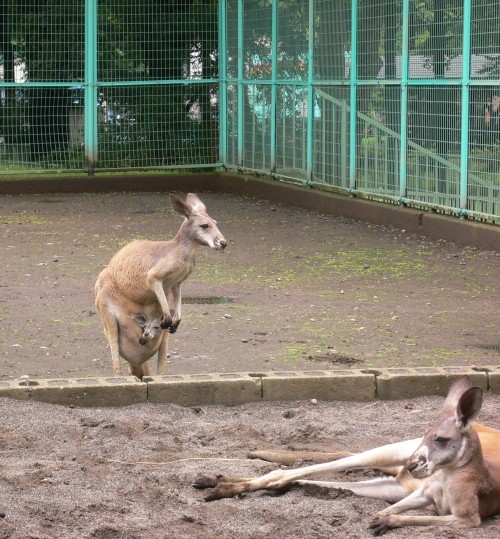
(395, 100)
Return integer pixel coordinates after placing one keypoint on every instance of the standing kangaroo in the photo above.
(454, 469)
(138, 280)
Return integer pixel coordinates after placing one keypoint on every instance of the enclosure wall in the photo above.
(387, 99)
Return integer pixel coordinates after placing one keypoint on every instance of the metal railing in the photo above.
(383, 99)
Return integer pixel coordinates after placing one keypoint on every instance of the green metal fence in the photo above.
(387, 99)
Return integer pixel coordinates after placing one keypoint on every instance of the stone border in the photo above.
(112, 391)
(231, 389)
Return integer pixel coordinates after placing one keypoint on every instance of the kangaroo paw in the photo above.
(379, 525)
(174, 326)
(204, 481)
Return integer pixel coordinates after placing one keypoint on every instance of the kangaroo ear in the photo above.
(195, 203)
(457, 389)
(468, 406)
(180, 206)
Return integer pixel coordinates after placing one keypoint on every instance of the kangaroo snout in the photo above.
(413, 466)
(418, 466)
(220, 244)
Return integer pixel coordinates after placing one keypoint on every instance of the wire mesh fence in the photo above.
(388, 99)
(108, 85)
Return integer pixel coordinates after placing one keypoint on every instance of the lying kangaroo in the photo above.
(140, 277)
(454, 469)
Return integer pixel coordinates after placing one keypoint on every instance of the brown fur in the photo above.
(145, 278)
(463, 486)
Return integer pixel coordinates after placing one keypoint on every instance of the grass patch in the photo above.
(22, 219)
(295, 352)
(395, 263)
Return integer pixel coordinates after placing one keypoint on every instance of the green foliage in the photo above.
(138, 41)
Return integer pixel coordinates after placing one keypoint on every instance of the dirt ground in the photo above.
(310, 291)
(111, 473)
(303, 291)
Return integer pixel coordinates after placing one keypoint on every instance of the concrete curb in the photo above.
(202, 389)
(348, 385)
(231, 389)
(116, 391)
(407, 383)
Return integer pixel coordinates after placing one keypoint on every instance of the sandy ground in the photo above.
(125, 472)
(309, 292)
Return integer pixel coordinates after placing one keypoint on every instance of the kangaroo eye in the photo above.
(442, 440)
(204, 226)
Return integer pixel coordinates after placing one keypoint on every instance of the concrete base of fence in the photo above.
(231, 389)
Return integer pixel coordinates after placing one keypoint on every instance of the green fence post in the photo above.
(274, 89)
(403, 169)
(464, 134)
(222, 75)
(310, 97)
(353, 76)
(241, 87)
(90, 85)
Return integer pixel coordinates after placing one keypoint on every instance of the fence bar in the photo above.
(274, 89)
(353, 94)
(241, 87)
(90, 86)
(464, 134)
(222, 57)
(310, 97)
(403, 172)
